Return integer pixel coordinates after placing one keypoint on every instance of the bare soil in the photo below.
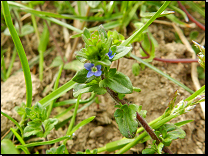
(156, 92)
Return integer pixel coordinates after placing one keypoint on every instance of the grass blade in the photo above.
(161, 73)
(21, 52)
(57, 93)
(14, 121)
(20, 140)
(41, 49)
(138, 32)
(55, 87)
(43, 143)
(81, 124)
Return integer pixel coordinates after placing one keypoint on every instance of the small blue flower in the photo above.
(93, 70)
(110, 54)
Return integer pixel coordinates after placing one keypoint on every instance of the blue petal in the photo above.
(98, 67)
(89, 74)
(97, 73)
(110, 57)
(110, 52)
(88, 66)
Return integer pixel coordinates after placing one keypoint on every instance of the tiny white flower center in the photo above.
(94, 69)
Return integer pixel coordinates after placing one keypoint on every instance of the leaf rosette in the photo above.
(97, 45)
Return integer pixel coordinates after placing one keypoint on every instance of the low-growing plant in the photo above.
(97, 77)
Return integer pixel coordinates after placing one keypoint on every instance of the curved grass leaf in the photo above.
(14, 121)
(21, 52)
(57, 93)
(43, 143)
(81, 124)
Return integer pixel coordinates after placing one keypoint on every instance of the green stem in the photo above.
(21, 52)
(54, 88)
(72, 121)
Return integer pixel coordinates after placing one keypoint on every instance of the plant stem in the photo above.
(151, 133)
(167, 60)
(139, 118)
(43, 128)
(191, 17)
(72, 122)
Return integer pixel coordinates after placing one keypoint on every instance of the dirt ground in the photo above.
(154, 97)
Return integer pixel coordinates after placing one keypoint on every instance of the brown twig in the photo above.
(191, 17)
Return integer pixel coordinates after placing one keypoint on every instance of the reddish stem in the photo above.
(167, 60)
(191, 17)
(148, 129)
(151, 132)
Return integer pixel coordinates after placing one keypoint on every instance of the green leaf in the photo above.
(148, 151)
(86, 33)
(121, 96)
(35, 123)
(81, 124)
(8, 147)
(126, 120)
(104, 62)
(49, 125)
(175, 133)
(28, 131)
(57, 61)
(112, 72)
(75, 65)
(81, 76)
(93, 4)
(44, 39)
(135, 69)
(179, 124)
(54, 150)
(160, 147)
(81, 88)
(98, 90)
(136, 89)
(102, 30)
(43, 142)
(20, 109)
(170, 105)
(119, 83)
(26, 29)
(121, 51)
(118, 144)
